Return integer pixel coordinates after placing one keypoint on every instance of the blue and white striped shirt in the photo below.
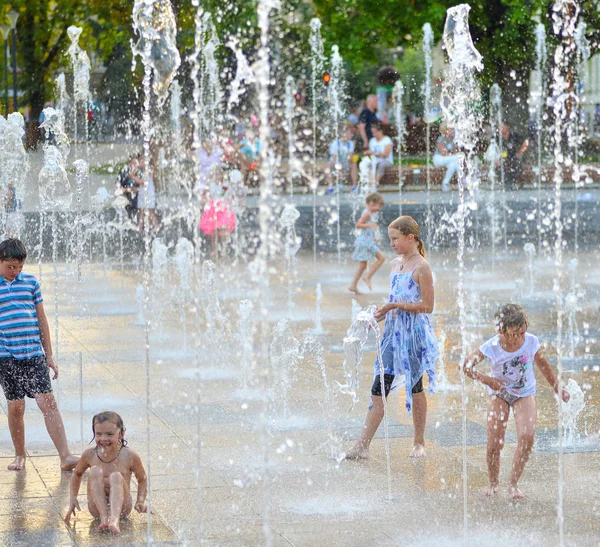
(19, 328)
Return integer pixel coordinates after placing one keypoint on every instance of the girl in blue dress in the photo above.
(408, 347)
(366, 245)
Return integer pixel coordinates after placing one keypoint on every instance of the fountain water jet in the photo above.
(459, 94)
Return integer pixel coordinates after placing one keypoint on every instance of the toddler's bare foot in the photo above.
(418, 451)
(18, 464)
(113, 526)
(103, 525)
(367, 280)
(491, 490)
(354, 290)
(515, 493)
(69, 462)
(357, 452)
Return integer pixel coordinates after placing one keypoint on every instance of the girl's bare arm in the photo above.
(469, 369)
(363, 221)
(546, 370)
(142, 481)
(80, 468)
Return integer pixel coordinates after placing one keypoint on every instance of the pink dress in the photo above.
(217, 216)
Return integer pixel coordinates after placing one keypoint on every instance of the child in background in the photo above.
(512, 354)
(366, 245)
(341, 160)
(111, 464)
(26, 355)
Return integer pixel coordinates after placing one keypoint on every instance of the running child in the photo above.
(26, 355)
(408, 348)
(111, 464)
(366, 246)
(511, 384)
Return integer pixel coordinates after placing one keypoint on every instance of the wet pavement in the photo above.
(257, 473)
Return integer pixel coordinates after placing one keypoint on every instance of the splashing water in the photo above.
(317, 61)
(355, 341)
(245, 338)
(54, 186)
(427, 49)
(398, 98)
(529, 249)
(313, 348)
(318, 323)
(291, 244)
(285, 356)
(571, 410)
(154, 22)
(459, 94)
(539, 99)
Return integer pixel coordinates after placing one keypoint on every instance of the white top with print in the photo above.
(513, 369)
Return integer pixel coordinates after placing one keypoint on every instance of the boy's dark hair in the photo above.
(377, 125)
(12, 249)
(511, 316)
(375, 197)
(109, 416)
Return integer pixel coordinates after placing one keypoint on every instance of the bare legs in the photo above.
(54, 426)
(525, 412)
(374, 416)
(379, 260)
(16, 425)
(497, 417)
(110, 510)
(56, 429)
(362, 266)
(419, 415)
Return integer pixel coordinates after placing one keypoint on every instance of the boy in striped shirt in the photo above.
(26, 354)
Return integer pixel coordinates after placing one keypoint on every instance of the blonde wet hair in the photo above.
(408, 226)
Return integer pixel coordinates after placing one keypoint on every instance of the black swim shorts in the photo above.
(388, 380)
(24, 378)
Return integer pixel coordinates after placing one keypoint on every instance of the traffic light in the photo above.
(326, 78)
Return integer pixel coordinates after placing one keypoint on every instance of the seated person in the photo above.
(341, 159)
(380, 149)
(513, 148)
(444, 156)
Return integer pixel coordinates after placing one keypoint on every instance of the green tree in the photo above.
(369, 31)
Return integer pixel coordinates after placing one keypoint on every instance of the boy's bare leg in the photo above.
(16, 425)
(360, 450)
(419, 415)
(525, 411)
(362, 266)
(497, 419)
(56, 429)
(380, 259)
(120, 501)
(97, 496)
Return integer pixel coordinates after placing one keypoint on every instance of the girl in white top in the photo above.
(512, 354)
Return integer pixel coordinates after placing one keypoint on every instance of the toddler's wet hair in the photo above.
(109, 416)
(375, 197)
(511, 316)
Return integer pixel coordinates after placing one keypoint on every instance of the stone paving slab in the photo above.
(310, 499)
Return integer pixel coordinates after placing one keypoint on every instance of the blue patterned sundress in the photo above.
(408, 347)
(366, 243)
